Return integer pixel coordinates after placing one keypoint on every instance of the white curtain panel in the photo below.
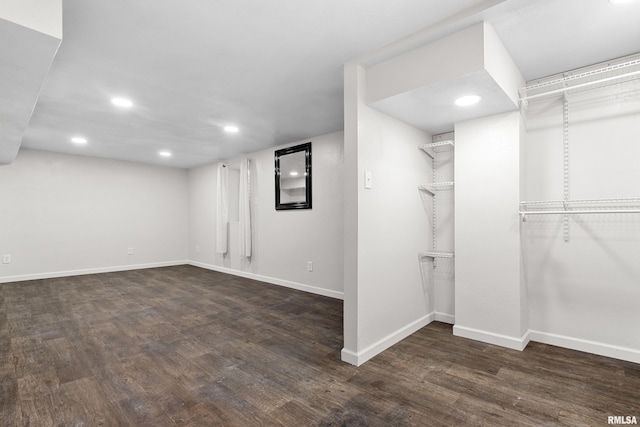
(244, 210)
(222, 209)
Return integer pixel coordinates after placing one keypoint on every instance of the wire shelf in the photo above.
(586, 79)
(619, 201)
(448, 142)
(436, 147)
(580, 207)
(436, 186)
(436, 254)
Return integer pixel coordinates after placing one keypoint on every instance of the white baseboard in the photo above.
(286, 283)
(56, 274)
(358, 358)
(445, 318)
(587, 346)
(602, 349)
(492, 338)
(349, 357)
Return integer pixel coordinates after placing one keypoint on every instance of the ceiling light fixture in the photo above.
(293, 173)
(78, 140)
(467, 100)
(165, 153)
(122, 102)
(231, 129)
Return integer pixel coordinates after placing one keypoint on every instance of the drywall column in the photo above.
(491, 304)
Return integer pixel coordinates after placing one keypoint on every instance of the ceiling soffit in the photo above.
(421, 86)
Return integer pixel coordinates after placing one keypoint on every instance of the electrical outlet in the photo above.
(130, 251)
(309, 265)
(6, 259)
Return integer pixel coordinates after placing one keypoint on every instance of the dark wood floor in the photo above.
(187, 346)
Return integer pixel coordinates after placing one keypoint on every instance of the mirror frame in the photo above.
(306, 148)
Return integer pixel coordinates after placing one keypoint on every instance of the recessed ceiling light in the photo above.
(78, 140)
(231, 129)
(165, 153)
(465, 101)
(293, 173)
(122, 102)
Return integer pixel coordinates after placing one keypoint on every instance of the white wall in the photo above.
(584, 294)
(283, 241)
(488, 296)
(64, 215)
(393, 227)
(385, 296)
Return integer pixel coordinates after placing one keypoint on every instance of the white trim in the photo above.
(599, 348)
(56, 274)
(358, 358)
(492, 338)
(587, 346)
(274, 281)
(349, 357)
(445, 318)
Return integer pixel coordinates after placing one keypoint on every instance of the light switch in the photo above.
(368, 181)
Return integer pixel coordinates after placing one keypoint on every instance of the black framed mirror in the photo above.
(293, 177)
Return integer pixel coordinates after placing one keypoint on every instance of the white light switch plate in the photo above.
(368, 180)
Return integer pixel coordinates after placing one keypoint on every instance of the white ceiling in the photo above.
(272, 68)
